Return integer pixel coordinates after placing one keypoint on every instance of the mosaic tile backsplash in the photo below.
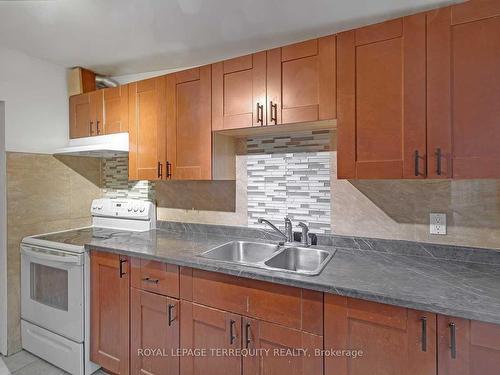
(117, 185)
(293, 184)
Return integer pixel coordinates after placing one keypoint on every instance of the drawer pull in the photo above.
(170, 319)
(151, 281)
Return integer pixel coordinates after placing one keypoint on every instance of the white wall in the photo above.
(3, 238)
(36, 103)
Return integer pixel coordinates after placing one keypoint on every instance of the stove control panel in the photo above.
(123, 208)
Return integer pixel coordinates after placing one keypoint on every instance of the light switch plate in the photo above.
(437, 223)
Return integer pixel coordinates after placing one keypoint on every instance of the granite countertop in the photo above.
(456, 288)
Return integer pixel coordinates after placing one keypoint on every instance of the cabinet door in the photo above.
(209, 331)
(239, 92)
(189, 129)
(147, 129)
(154, 322)
(381, 100)
(81, 116)
(109, 314)
(115, 110)
(467, 347)
(282, 350)
(464, 90)
(393, 340)
(301, 82)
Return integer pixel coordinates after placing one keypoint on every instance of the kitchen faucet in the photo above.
(288, 235)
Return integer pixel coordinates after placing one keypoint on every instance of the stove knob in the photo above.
(136, 209)
(129, 209)
(142, 209)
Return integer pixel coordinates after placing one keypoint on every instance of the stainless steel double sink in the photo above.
(292, 259)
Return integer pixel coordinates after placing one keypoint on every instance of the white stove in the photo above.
(55, 283)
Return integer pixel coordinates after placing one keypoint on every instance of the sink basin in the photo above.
(242, 252)
(294, 259)
(300, 260)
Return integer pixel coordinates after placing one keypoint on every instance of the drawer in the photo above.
(292, 307)
(156, 277)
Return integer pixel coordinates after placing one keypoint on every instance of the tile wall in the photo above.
(117, 185)
(289, 176)
(44, 194)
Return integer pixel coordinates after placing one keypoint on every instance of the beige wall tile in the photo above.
(399, 209)
(238, 217)
(44, 194)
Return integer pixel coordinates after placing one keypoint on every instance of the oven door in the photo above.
(52, 290)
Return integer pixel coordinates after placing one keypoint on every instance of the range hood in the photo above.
(101, 146)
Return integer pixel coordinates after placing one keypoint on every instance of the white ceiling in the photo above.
(128, 36)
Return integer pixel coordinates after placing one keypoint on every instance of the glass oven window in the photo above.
(49, 286)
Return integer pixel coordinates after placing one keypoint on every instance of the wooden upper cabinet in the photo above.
(393, 340)
(147, 129)
(109, 314)
(189, 126)
(154, 322)
(99, 112)
(467, 347)
(301, 82)
(84, 114)
(239, 92)
(277, 341)
(205, 328)
(115, 110)
(382, 100)
(463, 77)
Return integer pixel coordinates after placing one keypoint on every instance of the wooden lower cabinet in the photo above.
(204, 330)
(468, 347)
(137, 329)
(155, 329)
(276, 349)
(109, 314)
(393, 340)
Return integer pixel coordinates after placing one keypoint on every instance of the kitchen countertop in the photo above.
(455, 288)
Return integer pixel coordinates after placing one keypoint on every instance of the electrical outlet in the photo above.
(437, 224)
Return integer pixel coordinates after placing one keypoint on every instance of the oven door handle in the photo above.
(76, 260)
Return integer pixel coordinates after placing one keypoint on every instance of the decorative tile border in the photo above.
(292, 184)
(117, 185)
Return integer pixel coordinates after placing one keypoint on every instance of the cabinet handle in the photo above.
(170, 319)
(275, 116)
(160, 170)
(453, 340)
(417, 173)
(121, 267)
(151, 281)
(169, 169)
(247, 335)
(90, 126)
(97, 126)
(260, 114)
(438, 161)
(424, 333)
(232, 337)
